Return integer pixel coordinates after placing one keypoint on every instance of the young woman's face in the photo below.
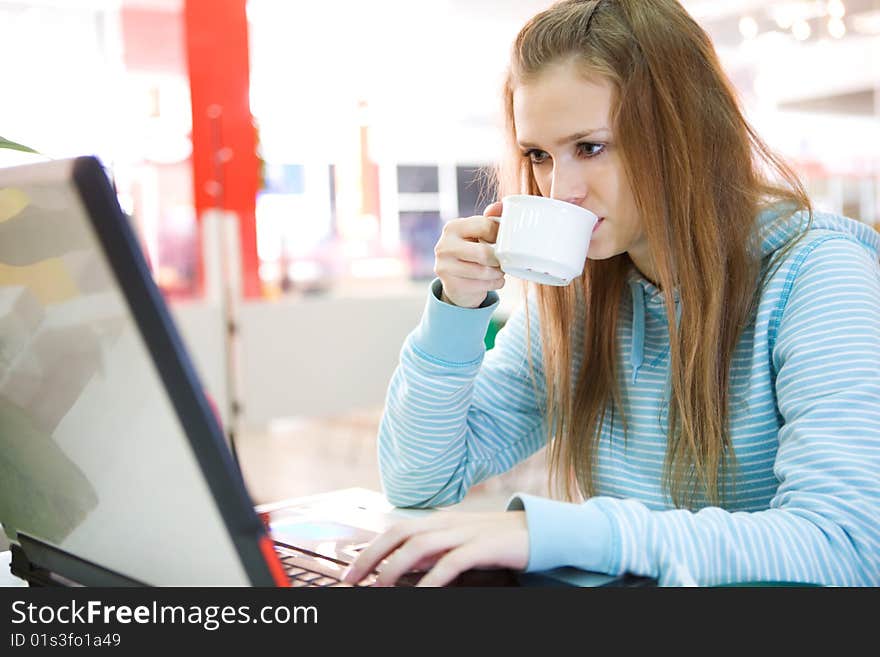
(562, 123)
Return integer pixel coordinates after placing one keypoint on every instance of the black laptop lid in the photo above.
(109, 450)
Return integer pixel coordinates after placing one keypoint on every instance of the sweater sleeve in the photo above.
(823, 524)
(455, 414)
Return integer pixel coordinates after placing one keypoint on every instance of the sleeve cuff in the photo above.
(565, 534)
(450, 333)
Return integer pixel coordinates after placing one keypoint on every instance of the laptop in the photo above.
(114, 469)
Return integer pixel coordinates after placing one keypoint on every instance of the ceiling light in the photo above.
(801, 30)
(836, 28)
(836, 9)
(783, 19)
(748, 27)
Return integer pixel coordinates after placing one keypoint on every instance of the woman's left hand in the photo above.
(451, 542)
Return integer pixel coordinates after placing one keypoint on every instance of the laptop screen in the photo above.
(94, 456)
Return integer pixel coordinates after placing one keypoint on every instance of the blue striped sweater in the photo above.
(803, 502)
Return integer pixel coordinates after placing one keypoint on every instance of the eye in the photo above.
(536, 156)
(589, 149)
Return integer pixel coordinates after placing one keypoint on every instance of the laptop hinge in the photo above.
(40, 564)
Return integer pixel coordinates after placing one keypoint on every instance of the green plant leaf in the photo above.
(5, 143)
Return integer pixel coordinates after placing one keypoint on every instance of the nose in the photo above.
(568, 184)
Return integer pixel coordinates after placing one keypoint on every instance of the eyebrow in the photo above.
(570, 138)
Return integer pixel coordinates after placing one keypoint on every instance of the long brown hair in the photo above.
(703, 176)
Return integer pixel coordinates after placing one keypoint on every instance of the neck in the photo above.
(643, 261)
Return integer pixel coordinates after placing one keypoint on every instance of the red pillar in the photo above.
(225, 166)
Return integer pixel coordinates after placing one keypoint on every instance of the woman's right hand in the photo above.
(465, 261)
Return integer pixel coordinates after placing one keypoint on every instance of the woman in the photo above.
(709, 389)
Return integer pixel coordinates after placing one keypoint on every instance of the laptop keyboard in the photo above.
(306, 570)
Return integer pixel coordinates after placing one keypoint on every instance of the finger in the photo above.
(469, 270)
(426, 563)
(379, 548)
(452, 564)
(417, 549)
(476, 252)
(474, 228)
(384, 544)
(493, 209)
(497, 284)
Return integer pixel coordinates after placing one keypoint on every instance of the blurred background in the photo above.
(289, 164)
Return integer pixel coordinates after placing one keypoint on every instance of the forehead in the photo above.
(561, 101)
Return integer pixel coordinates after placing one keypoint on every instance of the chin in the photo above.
(601, 253)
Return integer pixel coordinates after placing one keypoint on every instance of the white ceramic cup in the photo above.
(543, 240)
